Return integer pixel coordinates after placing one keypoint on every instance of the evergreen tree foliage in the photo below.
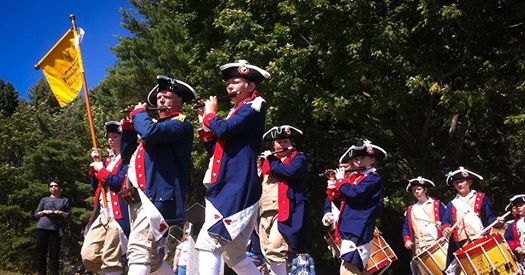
(8, 98)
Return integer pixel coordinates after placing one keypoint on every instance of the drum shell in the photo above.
(433, 260)
(481, 255)
(381, 254)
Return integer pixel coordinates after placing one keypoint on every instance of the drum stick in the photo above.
(490, 226)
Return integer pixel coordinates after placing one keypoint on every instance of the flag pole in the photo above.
(88, 106)
(84, 85)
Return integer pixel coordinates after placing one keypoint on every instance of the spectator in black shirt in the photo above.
(51, 213)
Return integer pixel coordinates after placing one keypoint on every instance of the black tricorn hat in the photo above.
(364, 149)
(241, 68)
(518, 199)
(462, 173)
(182, 89)
(113, 127)
(280, 132)
(419, 181)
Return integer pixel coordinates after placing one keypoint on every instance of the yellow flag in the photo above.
(63, 68)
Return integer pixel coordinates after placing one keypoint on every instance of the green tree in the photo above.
(41, 93)
(8, 98)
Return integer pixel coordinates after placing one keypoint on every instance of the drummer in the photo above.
(467, 214)
(422, 226)
(515, 233)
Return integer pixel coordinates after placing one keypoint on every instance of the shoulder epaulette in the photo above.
(256, 103)
(180, 117)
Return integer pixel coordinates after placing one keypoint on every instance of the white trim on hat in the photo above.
(189, 87)
(155, 89)
(521, 196)
(366, 143)
(345, 153)
(280, 129)
(460, 170)
(508, 207)
(242, 62)
(418, 179)
(112, 122)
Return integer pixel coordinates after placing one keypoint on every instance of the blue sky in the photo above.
(28, 29)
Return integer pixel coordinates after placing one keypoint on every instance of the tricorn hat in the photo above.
(364, 149)
(518, 199)
(462, 173)
(419, 181)
(280, 132)
(113, 127)
(241, 68)
(182, 89)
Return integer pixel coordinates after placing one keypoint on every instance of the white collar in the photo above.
(467, 197)
(369, 170)
(429, 200)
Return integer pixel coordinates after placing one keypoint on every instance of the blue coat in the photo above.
(363, 204)
(167, 160)
(236, 185)
(294, 174)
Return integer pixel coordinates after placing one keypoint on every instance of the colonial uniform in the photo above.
(423, 220)
(331, 210)
(106, 238)
(469, 214)
(362, 204)
(160, 170)
(282, 212)
(233, 186)
(515, 233)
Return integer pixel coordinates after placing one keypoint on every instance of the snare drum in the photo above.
(432, 260)
(487, 255)
(381, 254)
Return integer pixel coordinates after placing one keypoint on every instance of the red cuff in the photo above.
(407, 238)
(333, 194)
(127, 124)
(207, 119)
(136, 111)
(91, 171)
(103, 174)
(513, 245)
(340, 182)
(205, 136)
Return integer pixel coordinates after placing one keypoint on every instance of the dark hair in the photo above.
(55, 180)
